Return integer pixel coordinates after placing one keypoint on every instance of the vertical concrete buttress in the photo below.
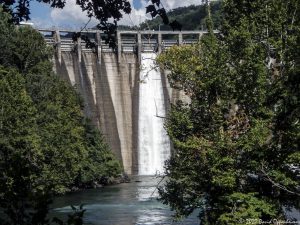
(57, 44)
(159, 42)
(180, 38)
(119, 43)
(78, 48)
(98, 48)
(139, 47)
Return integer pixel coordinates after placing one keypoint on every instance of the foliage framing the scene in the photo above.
(236, 145)
(46, 147)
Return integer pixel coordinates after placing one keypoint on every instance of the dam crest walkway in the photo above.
(134, 42)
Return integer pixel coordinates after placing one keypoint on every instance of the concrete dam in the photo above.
(125, 95)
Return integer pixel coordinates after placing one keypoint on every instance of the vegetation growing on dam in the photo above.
(46, 145)
(237, 142)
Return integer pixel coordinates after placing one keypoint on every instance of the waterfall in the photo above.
(153, 141)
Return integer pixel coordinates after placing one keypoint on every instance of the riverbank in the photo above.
(102, 182)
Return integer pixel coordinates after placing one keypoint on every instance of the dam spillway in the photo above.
(122, 94)
(153, 141)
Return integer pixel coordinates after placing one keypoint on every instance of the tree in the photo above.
(59, 116)
(100, 165)
(20, 150)
(44, 142)
(237, 142)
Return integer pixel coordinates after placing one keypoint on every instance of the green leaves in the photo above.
(184, 63)
(245, 208)
(180, 126)
(236, 143)
(20, 146)
(100, 165)
(45, 147)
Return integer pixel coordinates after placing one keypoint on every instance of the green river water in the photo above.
(123, 204)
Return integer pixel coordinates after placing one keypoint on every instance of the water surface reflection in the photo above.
(124, 204)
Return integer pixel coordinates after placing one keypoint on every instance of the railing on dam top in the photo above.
(127, 41)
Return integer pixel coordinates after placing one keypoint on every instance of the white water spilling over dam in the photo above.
(122, 94)
(153, 141)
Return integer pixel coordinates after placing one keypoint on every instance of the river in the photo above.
(124, 204)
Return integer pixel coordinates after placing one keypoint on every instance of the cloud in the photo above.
(41, 22)
(136, 16)
(172, 4)
(139, 15)
(71, 15)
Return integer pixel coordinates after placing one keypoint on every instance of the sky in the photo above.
(72, 17)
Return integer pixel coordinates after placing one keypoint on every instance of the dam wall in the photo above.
(113, 85)
(110, 92)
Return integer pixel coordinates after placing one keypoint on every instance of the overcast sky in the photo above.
(72, 16)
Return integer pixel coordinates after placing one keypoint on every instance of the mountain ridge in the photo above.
(190, 17)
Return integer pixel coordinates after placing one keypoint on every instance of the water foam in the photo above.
(153, 141)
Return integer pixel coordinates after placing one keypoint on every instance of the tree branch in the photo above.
(277, 184)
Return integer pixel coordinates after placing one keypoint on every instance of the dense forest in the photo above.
(47, 147)
(190, 17)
